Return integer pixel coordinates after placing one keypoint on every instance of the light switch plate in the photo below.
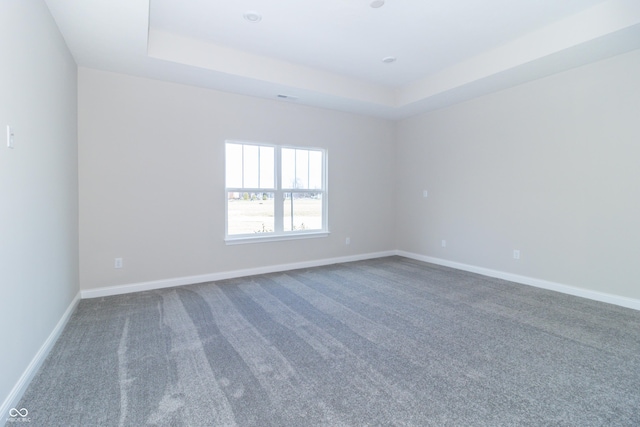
(9, 136)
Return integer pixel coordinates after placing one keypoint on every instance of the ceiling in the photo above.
(330, 53)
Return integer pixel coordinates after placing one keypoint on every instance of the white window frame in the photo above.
(278, 233)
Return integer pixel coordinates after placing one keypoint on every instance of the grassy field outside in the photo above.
(257, 216)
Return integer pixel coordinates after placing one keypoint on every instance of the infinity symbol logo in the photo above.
(15, 413)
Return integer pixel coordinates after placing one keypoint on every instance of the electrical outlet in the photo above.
(516, 254)
(117, 263)
(347, 241)
(425, 193)
(444, 243)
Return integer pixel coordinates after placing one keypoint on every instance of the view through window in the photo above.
(273, 190)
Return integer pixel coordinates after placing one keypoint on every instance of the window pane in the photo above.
(250, 213)
(288, 168)
(266, 167)
(234, 165)
(288, 210)
(251, 166)
(302, 211)
(315, 170)
(302, 169)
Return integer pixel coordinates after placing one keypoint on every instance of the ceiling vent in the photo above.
(288, 97)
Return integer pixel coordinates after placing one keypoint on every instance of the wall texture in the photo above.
(151, 158)
(38, 185)
(550, 168)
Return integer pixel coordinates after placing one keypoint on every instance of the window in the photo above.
(274, 192)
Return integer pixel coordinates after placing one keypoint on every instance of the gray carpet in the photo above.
(373, 343)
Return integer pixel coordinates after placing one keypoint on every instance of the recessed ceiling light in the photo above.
(252, 16)
(377, 3)
(389, 59)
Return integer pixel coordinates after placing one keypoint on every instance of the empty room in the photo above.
(338, 213)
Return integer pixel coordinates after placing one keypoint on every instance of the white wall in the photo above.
(38, 186)
(551, 168)
(151, 158)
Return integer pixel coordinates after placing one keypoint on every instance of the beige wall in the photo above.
(38, 187)
(151, 160)
(551, 168)
(548, 168)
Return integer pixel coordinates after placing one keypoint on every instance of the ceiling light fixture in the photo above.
(252, 16)
(389, 59)
(377, 3)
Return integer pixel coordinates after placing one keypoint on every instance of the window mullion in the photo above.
(278, 204)
(308, 170)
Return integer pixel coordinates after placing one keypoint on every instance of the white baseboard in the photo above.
(538, 283)
(21, 386)
(190, 280)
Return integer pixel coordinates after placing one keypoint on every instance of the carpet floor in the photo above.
(381, 342)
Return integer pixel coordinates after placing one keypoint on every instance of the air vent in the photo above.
(289, 97)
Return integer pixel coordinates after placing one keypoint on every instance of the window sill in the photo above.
(263, 239)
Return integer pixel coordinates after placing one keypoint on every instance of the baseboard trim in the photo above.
(25, 379)
(525, 280)
(190, 280)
